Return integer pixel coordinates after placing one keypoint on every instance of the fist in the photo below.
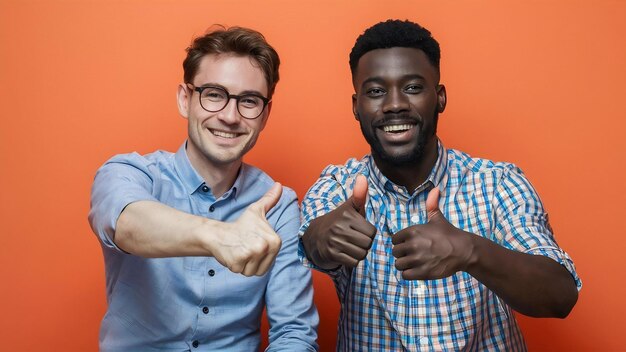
(343, 236)
(433, 250)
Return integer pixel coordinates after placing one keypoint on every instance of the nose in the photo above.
(230, 114)
(395, 101)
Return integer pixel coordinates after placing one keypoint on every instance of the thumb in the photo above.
(359, 193)
(432, 203)
(269, 199)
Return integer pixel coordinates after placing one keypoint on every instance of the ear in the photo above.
(442, 99)
(183, 94)
(354, 109)
(267, 115)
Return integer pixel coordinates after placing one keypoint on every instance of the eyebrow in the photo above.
(377, 79)
(248, 91)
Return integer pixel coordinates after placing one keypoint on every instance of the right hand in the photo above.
(249, 245)
(343, 236)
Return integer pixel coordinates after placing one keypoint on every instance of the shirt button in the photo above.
(205, 310)
(421, 289)
(195, 344)
(415, 219)
(423, 341)
(211, 272)
(205, 188)
(212, 208)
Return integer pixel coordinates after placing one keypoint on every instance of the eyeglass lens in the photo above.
(215, 99)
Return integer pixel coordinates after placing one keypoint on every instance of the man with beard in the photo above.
(197, 243)
(429, 248)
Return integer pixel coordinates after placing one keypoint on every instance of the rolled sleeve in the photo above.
(289, 297)
(522, 223)
(122, 180)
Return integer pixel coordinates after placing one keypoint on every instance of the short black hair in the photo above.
(395, 33)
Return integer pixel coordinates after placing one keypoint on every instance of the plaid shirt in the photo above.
(380, 311)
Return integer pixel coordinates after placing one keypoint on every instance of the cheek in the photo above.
(254, 126)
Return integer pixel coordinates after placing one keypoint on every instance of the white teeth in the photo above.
(396, 128)
(224, 134)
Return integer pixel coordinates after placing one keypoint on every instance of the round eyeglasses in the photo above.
(214, 99)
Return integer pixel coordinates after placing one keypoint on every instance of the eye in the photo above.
(213, 94)
(413, 88)
(375, 92)
(249, 101)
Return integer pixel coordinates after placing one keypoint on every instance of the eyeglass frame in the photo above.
(229, 96)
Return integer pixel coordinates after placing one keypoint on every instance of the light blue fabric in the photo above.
(166, 304)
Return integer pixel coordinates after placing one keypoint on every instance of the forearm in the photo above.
(533, 285)
(151, 229)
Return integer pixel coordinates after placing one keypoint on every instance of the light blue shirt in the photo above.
(194, 303)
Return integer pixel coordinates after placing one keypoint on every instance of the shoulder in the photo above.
(158, 159)
(462, 164)
(346, 173)
(261, 182)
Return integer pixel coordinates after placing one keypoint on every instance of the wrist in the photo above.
(206, 235)
(472, 249)
(311, 248)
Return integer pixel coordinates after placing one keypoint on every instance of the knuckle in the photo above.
(236, 268)
(361, 256)
(275, 242)
(350, 262)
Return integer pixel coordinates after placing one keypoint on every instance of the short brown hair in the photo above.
(238, 41)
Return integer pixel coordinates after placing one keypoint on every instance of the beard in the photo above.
(411, 157)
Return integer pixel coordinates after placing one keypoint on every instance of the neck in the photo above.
(219, 177)
(410, 175)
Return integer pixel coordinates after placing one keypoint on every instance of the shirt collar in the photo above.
(192, 180)
(434, 178)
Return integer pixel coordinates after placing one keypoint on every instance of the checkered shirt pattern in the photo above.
(380, 311)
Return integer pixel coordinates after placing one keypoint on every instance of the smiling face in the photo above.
(220, 139)
(397, 102)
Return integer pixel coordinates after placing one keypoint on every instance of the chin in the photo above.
(405, 158)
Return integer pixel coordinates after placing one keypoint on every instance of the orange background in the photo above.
(537, 83)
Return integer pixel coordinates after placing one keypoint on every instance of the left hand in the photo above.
(433, 250)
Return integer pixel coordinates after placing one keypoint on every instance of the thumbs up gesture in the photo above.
(249, 245)
(343, 236)
(433, 250)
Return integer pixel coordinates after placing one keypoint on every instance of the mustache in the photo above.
(398, 118)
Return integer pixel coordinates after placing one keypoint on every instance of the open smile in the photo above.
(400, 132)
(225, 134)
(397, 128)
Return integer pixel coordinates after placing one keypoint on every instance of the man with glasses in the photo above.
(429, 248)
(196, 243)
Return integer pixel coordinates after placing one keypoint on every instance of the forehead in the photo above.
(233, 72)
(393, 63)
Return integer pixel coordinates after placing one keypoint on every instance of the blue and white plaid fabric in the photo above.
(380, 311)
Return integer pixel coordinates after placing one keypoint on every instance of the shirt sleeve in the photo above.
(291, 312)
(122, 180)
(522, 224)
